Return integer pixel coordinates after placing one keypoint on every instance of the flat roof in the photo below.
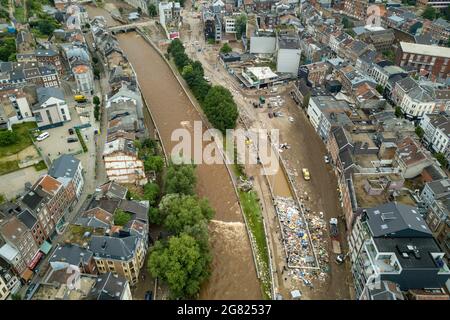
(262, 72)
(424, 49)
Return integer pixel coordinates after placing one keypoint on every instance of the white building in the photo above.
(122, 163)
(258, 76)
(168, 12)
(383, 74)
(288, 56)
(436, 129)
(416, 103)
(4, 291)
(84, 79)
(229, 24)
(51, 110)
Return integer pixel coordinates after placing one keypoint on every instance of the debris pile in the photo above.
(295, 235)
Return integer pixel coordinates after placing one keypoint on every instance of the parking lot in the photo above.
(57, 144)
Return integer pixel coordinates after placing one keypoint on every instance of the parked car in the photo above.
(306, 174)
(327, 159)
(43, 136)
(340, 258)
(71, 131)
(71, 140)
(149, 295)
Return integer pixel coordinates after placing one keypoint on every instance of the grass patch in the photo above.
(24, 140)
(2, 198)
(40, 165)
(80, 137)
(252, 211)
(8, 166)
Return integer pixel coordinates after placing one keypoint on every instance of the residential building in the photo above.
(436, 199)
(382, 72)
(74, 256)
(382, 40)
(418, 102)
(20, 249)
(440, 4)
(350, 78)
(391, 242)
(122, 163)
(411, 158)
(33, 225)
(288, 54)
(325, 112)
(68, 170)
(4, 291)
(16, 107)
(24, 41)
(229, 23)
(18, 73)
(356, 8)
(9, 278)
(315, 73)
(432, 59)
(436, 129)
(49, 57)
(110, 286)
(84, 79)
(439, 29)
(123, 256)
(51, 109)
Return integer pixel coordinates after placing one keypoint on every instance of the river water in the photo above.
(233, 271)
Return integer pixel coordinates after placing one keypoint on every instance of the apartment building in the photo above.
(433, 59)
(436, 129)
(68, 170)
(411, 158)
(20, 248)
(123, 256)
(392, 242)
(436, 199)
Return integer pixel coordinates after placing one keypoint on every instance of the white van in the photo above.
(43, 136)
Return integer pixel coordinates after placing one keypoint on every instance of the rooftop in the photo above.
(424, 49)
(64, 166)
(108, 286)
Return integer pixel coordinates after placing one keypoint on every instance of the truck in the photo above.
(80, 98)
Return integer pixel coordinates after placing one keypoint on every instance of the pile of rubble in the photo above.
(295, 235)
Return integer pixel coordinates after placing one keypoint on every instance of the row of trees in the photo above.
(216, 101)
(183, 260)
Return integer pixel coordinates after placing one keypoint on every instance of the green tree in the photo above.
(154, 163)
(380, 88)
(226, 48)
(8, 138)
(97, 112)
(181, 264)
(178, 211)
(152, 12)
(181, 179)
(347, 23)
(220, 108)
(429, 13)
(398, 112)
(96, 72)
(7, 49)
(96, 100)
(241, 25)
(154, 216)
(151, 193)
(16, 296)
(440, 157)
(419, 131)
(389, 55)
(121, 217)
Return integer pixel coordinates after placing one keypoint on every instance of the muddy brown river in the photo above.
(233, 271)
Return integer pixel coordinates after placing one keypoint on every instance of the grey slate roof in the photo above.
(108, 287)
(27, 218)
(91, 222)
(64, 166)
(71, 254)
(113, 247)
(440, 187)
(396, 219)
(44, 94)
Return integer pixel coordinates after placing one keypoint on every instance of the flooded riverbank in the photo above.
(233, 271)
